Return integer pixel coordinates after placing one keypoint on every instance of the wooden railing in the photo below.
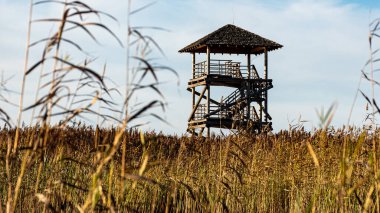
(226, 68)
(200, 112)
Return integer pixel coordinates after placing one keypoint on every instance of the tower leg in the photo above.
(266, 78)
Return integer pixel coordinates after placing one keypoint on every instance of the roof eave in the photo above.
(227, 49)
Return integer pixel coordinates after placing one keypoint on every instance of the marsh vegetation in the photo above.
(58, 164)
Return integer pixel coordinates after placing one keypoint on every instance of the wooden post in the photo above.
(208, 88)
(193, 65)
(208, 108)
(261, 113)
(208, 60)
(193, 89)
(249, 65)
(248, 87)
(208, 99)
(266, 78)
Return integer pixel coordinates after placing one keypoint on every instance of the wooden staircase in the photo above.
(232, 111)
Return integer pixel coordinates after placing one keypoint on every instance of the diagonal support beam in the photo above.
(204, 97)
(267, 114)
(201, 132)
(256, 74)
(255, 113)
(197, 104)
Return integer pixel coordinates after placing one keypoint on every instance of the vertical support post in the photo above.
(248, 87)
(208, 87)
(208, 60)
(266, 78)
(193, 90)
(193, 61)
(261, 113)
(249, 65)
(208, 108)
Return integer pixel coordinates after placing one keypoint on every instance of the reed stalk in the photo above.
(23, 81)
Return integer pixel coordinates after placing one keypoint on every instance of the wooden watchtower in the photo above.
(247, 106)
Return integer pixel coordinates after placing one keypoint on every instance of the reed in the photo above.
(289, 171)
(74, 167)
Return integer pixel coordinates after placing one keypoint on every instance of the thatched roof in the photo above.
(232, 39)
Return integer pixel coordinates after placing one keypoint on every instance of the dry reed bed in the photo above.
(243, 173)
(83, 169)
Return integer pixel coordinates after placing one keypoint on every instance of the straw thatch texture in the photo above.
(232, 39)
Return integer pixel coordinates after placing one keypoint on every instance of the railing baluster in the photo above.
(226, 68)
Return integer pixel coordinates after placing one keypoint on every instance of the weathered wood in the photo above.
(249, 86)
(197, 104)
(208, 108)
(256, 73)
(193, 96)
(204, 97)
(233, 111)
(196, 122)
(266, 77)
(258, 49)
(201, 132)
(249, 65)
(255, 112)
(208, 99)
(220, 80)
(261, 111)
(193, 65)
(232, 39)
(193, 90)
(208, 60)
(197, 84)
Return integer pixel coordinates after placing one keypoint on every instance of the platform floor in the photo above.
(223, 80)
(226, 123)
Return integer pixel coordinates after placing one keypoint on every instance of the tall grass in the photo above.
(65, 166)
(368, 73)
(58, 73)
(289, 171)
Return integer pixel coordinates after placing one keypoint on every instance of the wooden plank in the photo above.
(197, 79)
(197, 126)
(258, 49)
(219, 80)
(202, 83)
(197, 121)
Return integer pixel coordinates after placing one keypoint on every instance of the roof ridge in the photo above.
(230, 35)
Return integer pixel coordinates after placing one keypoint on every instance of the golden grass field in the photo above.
(57, 165)
(287, 172)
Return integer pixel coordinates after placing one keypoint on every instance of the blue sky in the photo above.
(367, 3)
(325, 46)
